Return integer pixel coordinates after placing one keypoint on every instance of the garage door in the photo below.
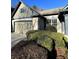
(23, 26)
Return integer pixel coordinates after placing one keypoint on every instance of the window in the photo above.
(54, 21)
(49, 21)
(22, 10)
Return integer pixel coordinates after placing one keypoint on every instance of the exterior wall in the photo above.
(41, 23)
(21, 26)
(23, 11)
(20, 21)
(35, 23)
(63, 26)
(52, 18)
(59, 26)
(59, 29)
(66, 24)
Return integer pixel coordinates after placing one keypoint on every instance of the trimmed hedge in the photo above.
(45, 38)
(51, 28)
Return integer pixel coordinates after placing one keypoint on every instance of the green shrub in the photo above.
(45, 38)
(51, 28)
(30, 32)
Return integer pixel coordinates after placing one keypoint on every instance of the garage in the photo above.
(22, 27)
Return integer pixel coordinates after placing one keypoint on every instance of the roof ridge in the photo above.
(53, 9)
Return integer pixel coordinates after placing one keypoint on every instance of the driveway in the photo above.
(15, 38)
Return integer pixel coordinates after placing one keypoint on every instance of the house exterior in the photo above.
(57, 17)
(25, 19)
(22, 18)
(63, 17)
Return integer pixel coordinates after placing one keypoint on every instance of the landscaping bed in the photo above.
(41, 45)
(45, 38)
(29, 50)
(49, 39)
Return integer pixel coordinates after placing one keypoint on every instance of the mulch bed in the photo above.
(28, 50)
(32, 50)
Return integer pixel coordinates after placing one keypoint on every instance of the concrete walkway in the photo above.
(15, 38)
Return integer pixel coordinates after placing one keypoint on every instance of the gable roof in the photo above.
(40, 13)
(13, 13)
(55, 11)
(65, 10)
(18, 5)
(51, 11)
